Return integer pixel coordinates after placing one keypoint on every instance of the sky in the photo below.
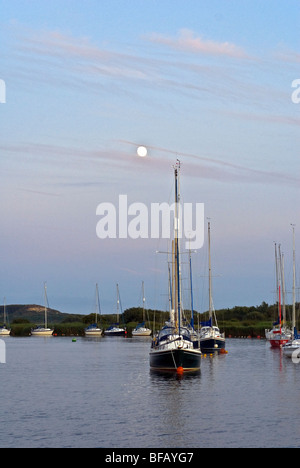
(86, 83)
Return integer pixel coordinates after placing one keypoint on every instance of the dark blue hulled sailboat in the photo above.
(172, 348)
(211, 339)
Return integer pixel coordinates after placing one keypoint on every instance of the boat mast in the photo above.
(278, 286)
(118, 304)
(172, 282)
(4, 311)
(98, 302)
(143, 290)
(279, 299)
(191, 286)
(294, 280)
(209, 270)
(46, 300)
(277, 279)
(281, 261)
(177, 260)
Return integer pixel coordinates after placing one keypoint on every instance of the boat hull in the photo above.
(145, 332)
(173, 359)
(292, 349)
(4, 332)
(292, 352)
(93, 333)
(278, 342)
(114, 333)
(42, 332)
(211, 345)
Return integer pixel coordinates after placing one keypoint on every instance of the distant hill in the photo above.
(35, 314)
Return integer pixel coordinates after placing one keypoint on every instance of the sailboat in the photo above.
(94, 330)
(115, 330)
(43, 331)
(140, 329)
(211, 339)
(292, 348)
(279, 335)
(172, 348)
(4, 331)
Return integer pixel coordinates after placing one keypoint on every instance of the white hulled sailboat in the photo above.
(43, 331)
(292, 348)
(4, 330)
(94, 330)
(140, 329)
(280, 334)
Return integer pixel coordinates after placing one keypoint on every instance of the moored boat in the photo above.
(94, 330)
(39, 330)
(280, 334)
(4, 330)
(141, 329)
(292, 348)
(210, 337)
(115, 329)
(172, 348)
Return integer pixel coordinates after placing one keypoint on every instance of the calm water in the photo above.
(100, 393)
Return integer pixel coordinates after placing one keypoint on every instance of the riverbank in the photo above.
(237, 322)
(77, 329)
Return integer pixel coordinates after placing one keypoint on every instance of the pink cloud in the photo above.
(188, 41)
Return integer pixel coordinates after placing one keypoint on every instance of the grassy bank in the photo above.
(77, 329)
(235, 322)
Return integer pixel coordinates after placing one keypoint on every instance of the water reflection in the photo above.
(160, 376)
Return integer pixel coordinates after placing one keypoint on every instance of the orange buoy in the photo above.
(180, 370)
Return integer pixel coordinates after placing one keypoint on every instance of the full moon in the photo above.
(142, 151)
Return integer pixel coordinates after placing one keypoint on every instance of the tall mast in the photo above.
(281, 262)
(277, 279)
(98, 301)
(173, 289)
(294, 279)
(170, 291)
(45, 289)
(143, 292)
(279, 300)
(118, 303)
(191, 286)
(177, 260)
(209, 269)
(4, 311)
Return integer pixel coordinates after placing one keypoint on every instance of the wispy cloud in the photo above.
(203, 167)
(209, 167)
(287, 55)
(188, 41)
(63, 60)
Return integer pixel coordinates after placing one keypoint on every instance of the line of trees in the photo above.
(237, 321)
